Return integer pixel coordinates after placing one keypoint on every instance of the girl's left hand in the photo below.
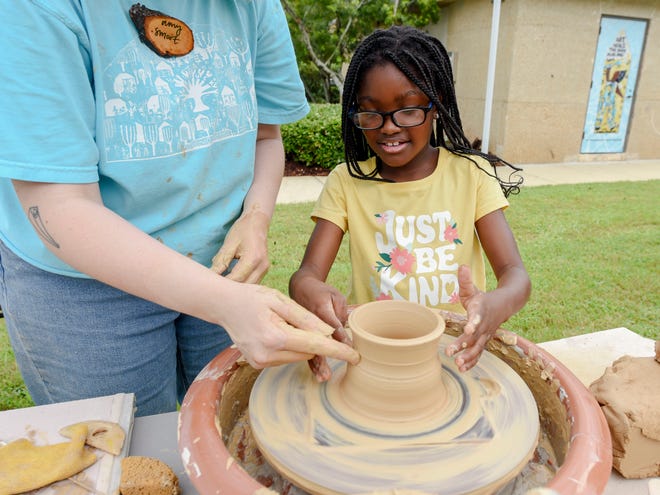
(481, 323)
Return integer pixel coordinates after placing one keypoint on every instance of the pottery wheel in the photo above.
(483, 437)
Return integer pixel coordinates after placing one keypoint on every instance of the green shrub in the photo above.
(315, 141)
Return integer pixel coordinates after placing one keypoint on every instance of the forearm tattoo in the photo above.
(40, 227)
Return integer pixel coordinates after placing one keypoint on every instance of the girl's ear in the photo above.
(436, 116)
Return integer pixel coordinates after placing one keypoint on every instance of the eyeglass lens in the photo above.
(405, 117)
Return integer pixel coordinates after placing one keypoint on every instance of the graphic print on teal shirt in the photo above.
(416, 258)
(157, 107)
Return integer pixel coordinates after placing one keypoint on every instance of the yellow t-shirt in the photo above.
(407, 239)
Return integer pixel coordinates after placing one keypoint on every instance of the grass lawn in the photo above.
(592, 252)
(13, 393)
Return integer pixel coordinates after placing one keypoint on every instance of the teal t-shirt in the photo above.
(170, 140)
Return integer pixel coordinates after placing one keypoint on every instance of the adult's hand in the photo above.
(270, 329)
(246, 242)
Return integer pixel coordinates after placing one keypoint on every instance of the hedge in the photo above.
(316, 139)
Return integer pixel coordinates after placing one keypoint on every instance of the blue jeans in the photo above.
(77, 338)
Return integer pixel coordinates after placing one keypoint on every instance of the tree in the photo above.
(326, 33)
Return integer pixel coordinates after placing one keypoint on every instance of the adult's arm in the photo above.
(265, 325)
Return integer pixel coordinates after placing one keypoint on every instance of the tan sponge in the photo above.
(147, 476)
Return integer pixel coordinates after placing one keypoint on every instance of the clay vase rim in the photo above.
(357, 329)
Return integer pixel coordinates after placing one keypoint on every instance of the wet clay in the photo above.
(241, 444)
(404, 417)
(574, 455)
(398, 385)
(629, 394)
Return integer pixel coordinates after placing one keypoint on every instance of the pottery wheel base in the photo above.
(484, 436)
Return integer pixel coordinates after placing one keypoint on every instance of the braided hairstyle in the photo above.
(424, 60)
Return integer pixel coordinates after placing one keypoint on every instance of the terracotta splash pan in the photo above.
(570, 417)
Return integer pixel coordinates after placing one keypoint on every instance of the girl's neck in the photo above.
(423, 167)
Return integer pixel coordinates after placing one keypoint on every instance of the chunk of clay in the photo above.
(629, 395)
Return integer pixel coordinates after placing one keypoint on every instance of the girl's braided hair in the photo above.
(424, 60)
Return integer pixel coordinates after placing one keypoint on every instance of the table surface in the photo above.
(156, 436)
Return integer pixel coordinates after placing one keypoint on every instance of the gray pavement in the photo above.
(307, 188)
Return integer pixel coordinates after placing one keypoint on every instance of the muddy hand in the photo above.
(329, 304)
(319, 364)
(246, 242)
(468, 349)
(293, 334)
(472, 342)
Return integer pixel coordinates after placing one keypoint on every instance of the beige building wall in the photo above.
(545, 58)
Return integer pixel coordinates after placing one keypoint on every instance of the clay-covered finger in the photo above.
(460, 344)
(298, 317)
(245, 271)
(314, 343)
(466, 362)
(472, 324)
(341, 335)
(239, 272)
(220, 262)
(470, 356)
(327, 313)
(320, 368)
(340, 308)
(277, 358)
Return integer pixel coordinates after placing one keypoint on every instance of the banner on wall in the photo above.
(618, 55)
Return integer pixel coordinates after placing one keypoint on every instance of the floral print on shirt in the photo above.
(426, 280)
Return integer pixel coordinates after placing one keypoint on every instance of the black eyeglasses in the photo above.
(403, 117)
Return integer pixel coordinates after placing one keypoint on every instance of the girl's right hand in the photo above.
(327, 303)
(320, 298)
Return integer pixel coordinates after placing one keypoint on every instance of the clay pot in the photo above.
(569, 415)
(399, 377)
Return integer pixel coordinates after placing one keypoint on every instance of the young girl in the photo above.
(420, 204)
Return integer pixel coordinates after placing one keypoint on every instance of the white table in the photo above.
(587, 356)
